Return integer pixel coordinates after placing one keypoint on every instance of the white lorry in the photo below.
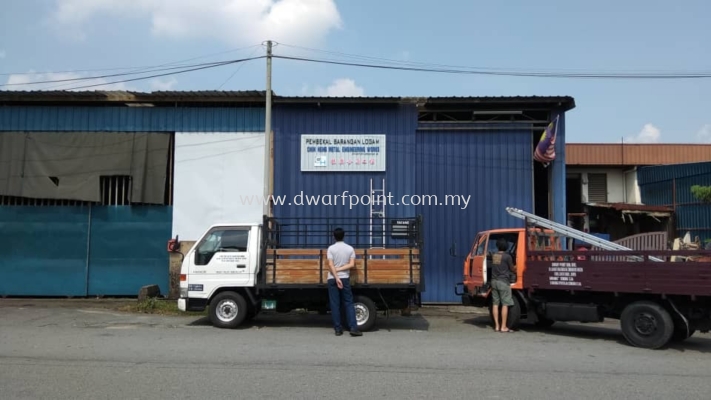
(237, 270)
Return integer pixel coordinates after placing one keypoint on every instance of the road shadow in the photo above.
(317, 321)
(699, 342)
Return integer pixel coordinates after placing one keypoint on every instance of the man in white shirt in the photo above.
(341, 258)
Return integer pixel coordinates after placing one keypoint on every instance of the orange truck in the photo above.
(656, 300)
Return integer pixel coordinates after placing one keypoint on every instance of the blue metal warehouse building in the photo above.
(480, 147)
(670, 185)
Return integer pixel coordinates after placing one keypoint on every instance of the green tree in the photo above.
(703, 193)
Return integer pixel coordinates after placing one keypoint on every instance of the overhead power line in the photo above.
(136, 68)
(89, 78)
(211, 65)
(381, 60)
(475, 71)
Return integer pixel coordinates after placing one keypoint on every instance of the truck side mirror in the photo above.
(174, 245)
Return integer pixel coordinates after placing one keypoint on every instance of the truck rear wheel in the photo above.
(646, 324)
(365, 312)
(228, 310)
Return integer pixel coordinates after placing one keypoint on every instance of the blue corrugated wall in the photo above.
(44, 251)
(398, 123)
(670, 185)
(48, 250)
(131, 119)
(127, 249)
(494, 166)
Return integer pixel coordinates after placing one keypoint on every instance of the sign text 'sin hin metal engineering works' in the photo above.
(342, 153)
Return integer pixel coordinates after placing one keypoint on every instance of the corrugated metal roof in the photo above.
(120, 96)
(618, 154)
(207, 96)
(647, 175)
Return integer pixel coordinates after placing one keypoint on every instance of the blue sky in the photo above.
(599, 36)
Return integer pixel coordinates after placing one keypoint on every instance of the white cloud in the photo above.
(240, 22)
(22, 82)
(343, 87)
(704, 134)
(159, 84)
(648, 134)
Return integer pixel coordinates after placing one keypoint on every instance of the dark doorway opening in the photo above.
(573, 194)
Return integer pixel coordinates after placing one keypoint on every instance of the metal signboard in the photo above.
(342, 153)
(402, 229)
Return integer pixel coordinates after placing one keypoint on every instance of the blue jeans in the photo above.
(337, 298)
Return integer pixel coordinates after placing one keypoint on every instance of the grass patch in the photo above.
(158, 306)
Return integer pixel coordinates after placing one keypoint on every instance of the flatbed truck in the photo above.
(656, 300)
(237, 270)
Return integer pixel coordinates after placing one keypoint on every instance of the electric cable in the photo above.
(168, 73)
(700, 75)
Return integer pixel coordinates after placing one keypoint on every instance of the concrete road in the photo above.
(61, 353)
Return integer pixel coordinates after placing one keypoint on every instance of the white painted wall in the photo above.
(215, 175)
(621, 187)
(632, 187)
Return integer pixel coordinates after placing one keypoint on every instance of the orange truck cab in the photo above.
(475, 286)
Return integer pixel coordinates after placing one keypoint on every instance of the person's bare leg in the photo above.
(495, 311)
(504, 318)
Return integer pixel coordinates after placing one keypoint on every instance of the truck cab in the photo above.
(476, 277)
(227, 255)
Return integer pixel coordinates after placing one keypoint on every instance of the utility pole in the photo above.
(267, 134)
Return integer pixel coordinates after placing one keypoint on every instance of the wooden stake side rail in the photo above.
(373, 266)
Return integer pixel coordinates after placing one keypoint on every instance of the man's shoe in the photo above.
(356, 333)
(339, 333)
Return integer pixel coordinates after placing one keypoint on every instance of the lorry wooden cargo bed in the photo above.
(295, 252)
(373, 266)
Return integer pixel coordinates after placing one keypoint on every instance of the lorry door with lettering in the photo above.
(222, 254)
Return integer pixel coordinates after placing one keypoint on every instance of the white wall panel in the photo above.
(215, 174)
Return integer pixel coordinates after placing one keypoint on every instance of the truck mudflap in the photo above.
(456, 287)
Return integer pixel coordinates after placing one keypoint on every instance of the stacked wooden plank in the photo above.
(373, 266)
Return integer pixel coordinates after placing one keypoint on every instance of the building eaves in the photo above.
(565, 103)
(253, 96)
(629, 154)
(633, 208)
(128, 97)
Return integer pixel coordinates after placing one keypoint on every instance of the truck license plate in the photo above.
(268, 304)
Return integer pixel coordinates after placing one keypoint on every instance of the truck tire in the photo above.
(228, 310)
(366, 312)
(514, 317)
(646, 324)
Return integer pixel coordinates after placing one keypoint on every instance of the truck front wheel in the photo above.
(646, 324)
(514, 313)
(228, 310)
